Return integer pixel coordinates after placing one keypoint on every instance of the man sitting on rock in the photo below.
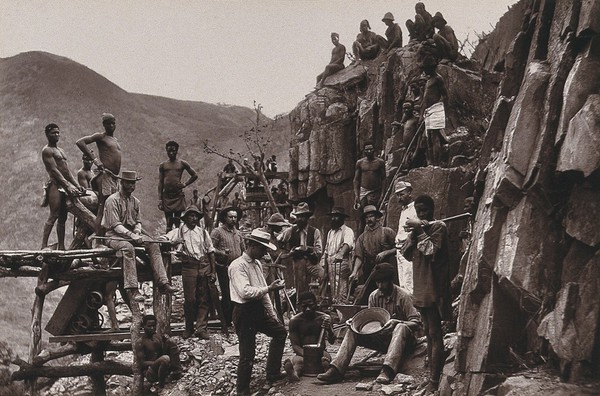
(393, 33)
(157, 356)
(304, 329)
(335, 64)
(421, 28)
(368, 44)
(445, 39)
(395, 338)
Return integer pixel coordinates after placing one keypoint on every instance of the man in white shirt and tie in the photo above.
(196, 251)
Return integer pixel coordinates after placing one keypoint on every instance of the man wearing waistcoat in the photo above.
(303, 235)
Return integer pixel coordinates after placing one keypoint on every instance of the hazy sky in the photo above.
(233, 52)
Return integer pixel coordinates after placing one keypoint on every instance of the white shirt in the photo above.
(196, 241)
(408, 212)
(247, 282)
(336, 238)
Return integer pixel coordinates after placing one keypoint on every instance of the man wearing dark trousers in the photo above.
(253, 311)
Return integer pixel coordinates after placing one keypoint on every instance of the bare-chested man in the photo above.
(410, 123)
(421, 28)
(55, 161)
(85, 173)
(368, 44)
(338, 53)
(393, 32)
(445, 39)
(171, 198)
(108, 161)
(433, 112)
(369, 177)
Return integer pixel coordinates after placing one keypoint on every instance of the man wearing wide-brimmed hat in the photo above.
(403, 191)
(395, 338)
(375, 245)
(229, 245)
(122, 221)
(339, 245)
(303, 235)
(253, 311)
(197, 254)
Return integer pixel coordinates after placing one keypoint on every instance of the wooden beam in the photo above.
(36, 327)
(99, 368)
(50, 354)
(98, 383)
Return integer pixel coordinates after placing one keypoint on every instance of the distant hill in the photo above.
(37, 88)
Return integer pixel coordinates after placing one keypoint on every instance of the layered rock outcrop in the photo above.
(529, 123)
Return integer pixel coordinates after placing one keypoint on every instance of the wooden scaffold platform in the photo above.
(76, 323)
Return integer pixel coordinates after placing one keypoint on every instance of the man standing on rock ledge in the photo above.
(108, 161)
(253, 311)
(369, 177)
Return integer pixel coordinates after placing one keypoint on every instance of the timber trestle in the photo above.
(76, 323)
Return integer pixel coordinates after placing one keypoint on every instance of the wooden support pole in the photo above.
(36, 328)
(98, 383)
(75, 206)
(162, 303)
(136, 323)
(100, 368)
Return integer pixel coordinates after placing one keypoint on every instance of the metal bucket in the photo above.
(312, 360)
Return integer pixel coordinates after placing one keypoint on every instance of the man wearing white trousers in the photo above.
(403, 191)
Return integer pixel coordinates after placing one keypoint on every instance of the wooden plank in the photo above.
(36, 328)
(104, 368)
(108, 336)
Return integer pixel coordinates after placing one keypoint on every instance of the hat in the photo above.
(305, 252)
(383, 271)
(191, 209)
(371, 209)
(438, 17)
(262, 237)
(302, 209)
(388, 16)
(277, 219)
(338, 210)
(107, 116)
(129, 176)
(401, 186)
(224, 211)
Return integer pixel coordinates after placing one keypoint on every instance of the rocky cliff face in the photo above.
(526, 134)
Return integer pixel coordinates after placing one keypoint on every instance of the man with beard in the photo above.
(253, 311)
(157, 357)
(403, 191)
(171, 198)
(396, 337)
(60, 176)
(124, 230)
(340, 242)
(305, 328)
(427, 247)
(302, 235)
(196, 251)
(229, 245)
(375, 245)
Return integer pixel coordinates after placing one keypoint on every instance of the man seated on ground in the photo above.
(157, 356)
(396, 337)
(304, 329)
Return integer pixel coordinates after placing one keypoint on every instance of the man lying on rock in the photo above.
(395, 338)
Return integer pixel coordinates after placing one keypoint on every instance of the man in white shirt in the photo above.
(253, 311)
(340, 242)
(403, 191)
(196, 251)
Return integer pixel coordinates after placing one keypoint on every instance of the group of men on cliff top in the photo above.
(425, 102)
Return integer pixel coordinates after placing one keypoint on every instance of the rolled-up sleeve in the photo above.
(111, 217)
(208, 245)
(240, 282)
